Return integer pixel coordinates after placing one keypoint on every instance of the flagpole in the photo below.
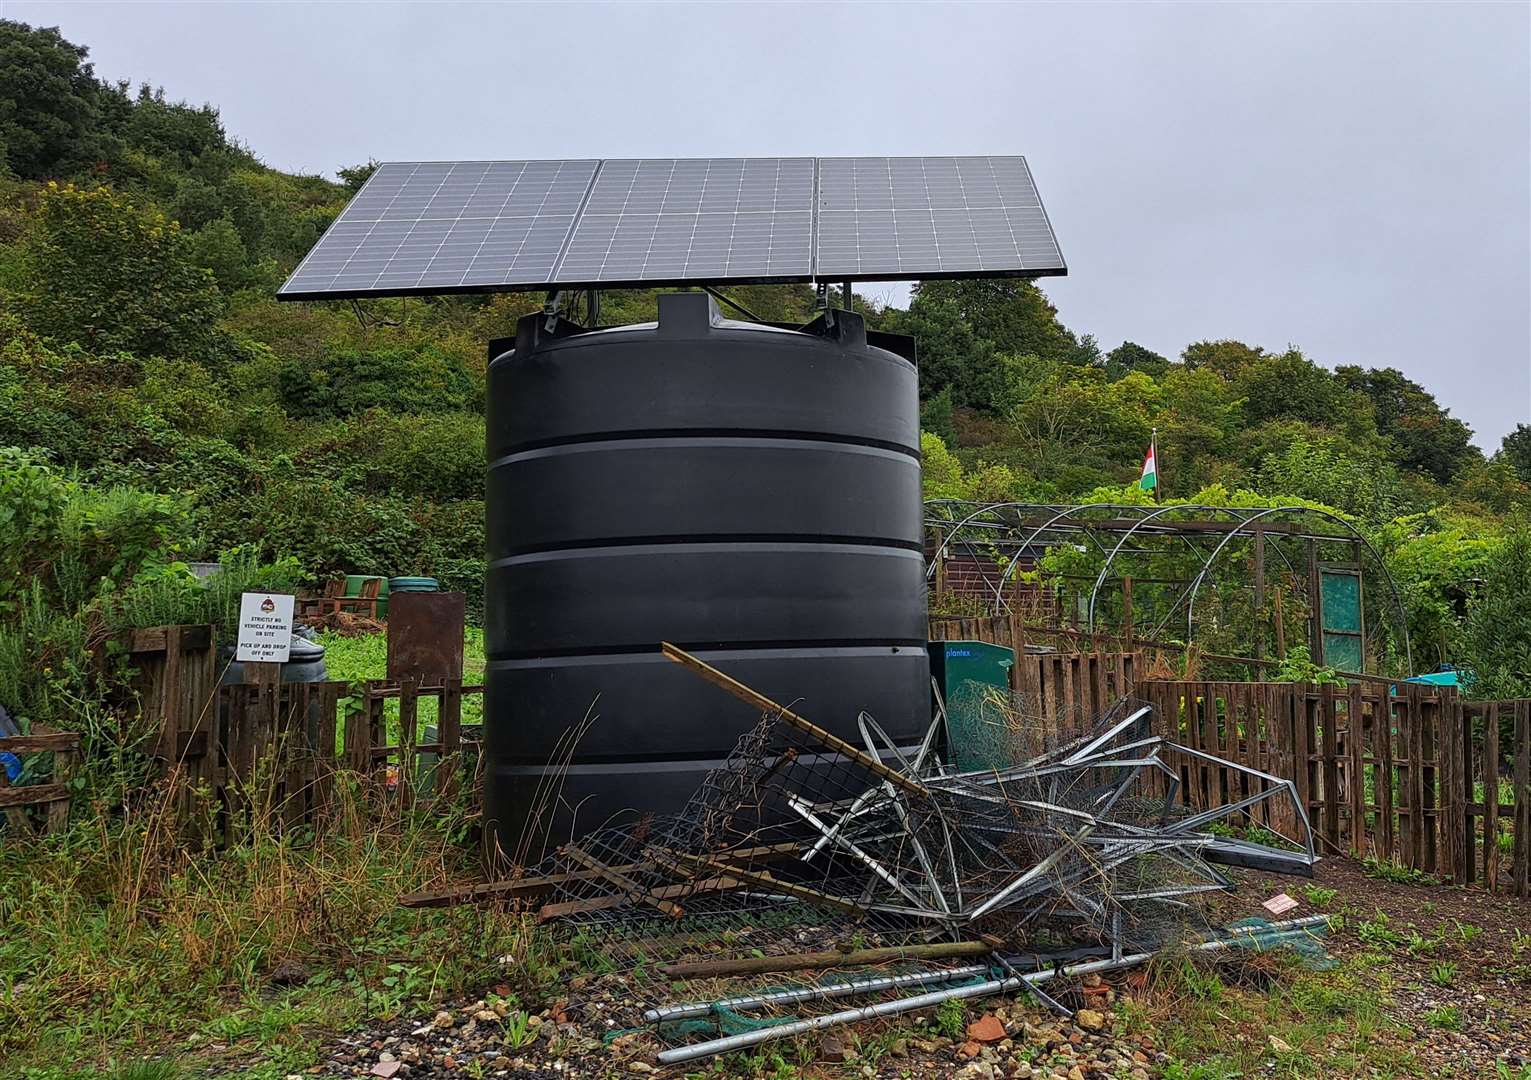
(1153, 448)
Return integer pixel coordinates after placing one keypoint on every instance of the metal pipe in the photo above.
(851, 988)
(936, 997)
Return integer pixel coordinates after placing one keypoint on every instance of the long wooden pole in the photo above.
(766, 705)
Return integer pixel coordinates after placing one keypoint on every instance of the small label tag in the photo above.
(1279, 904)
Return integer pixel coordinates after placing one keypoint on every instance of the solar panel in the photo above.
(437, 227)
(447, 226)
(706, 219)
(931, 216)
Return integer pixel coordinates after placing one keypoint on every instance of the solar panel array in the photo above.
(439, 227)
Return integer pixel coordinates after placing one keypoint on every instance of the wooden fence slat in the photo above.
(1382, 722)
(1521, 852)
(449, 731)
(1491, 796)
(325, 749)
(409, 702)
(1470, 712)
(32, 794)
(1449, 807)
(1295, 706)
(1429, 711)
(1355, 745)
(1418, 820)
(1329, 717)
(1461, 723)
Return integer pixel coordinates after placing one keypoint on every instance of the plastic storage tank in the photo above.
(749, 493)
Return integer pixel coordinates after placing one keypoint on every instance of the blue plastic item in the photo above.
(1447, 676)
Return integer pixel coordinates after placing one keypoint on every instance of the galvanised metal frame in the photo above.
(1026, 526)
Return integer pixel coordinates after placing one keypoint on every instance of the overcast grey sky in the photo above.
(1353, 179)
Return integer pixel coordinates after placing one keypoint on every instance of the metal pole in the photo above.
(936, 997)
(813, 993)
(845, 294)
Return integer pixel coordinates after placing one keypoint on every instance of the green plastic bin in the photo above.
(974, 678)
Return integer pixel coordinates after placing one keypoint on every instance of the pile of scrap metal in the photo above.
(1076, 858)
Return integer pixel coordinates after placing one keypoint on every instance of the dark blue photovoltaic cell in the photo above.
(424, 227)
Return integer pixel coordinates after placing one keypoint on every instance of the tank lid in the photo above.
(304, 651)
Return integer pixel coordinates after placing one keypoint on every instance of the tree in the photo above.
(1289, 386)
(1225, 358)
(951, 355)
(1427, 438)
(1130, 356)
(1322, 470)
(191, 136)
(50, 102)
(218, 249)
(1012, 315)
(354, 176)
(1515, 449)
(1495, 646)
(110, 275)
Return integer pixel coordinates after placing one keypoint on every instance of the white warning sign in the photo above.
(265, 628)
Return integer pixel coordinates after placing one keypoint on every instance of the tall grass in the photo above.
(121, 936)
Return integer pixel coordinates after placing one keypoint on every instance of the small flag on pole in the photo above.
(1150, 479)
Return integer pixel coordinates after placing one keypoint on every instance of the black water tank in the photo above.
(749, 493)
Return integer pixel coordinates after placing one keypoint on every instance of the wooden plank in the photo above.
(548, 912)
(1491, 796)
(630, 888)
(763, 880)
(151, 639)
(173, 695)
(56, 816)
(1464, 871)
(35, 743)
(377, 725)
(1205, 697)
(1382, 716)
(1521, 852)
(1066, 711)
(295, 748)
(449, 728)
(1467, 757)
(1282, 728)
(1355, 744)
(384, 689)
(1329, 717)
(325, 750)
(1449, 806)
(1416, 791)
(533, 887)
(33, 794)
(1429, 715)
(408, 717)
(1295, 706)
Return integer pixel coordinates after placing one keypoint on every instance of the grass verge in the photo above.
(121, 940)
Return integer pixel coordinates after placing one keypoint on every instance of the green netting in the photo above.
(716, 1024)
(1262, 936)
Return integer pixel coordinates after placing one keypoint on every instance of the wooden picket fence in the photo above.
(276, 750)
(40, 807)
(1412, 776)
